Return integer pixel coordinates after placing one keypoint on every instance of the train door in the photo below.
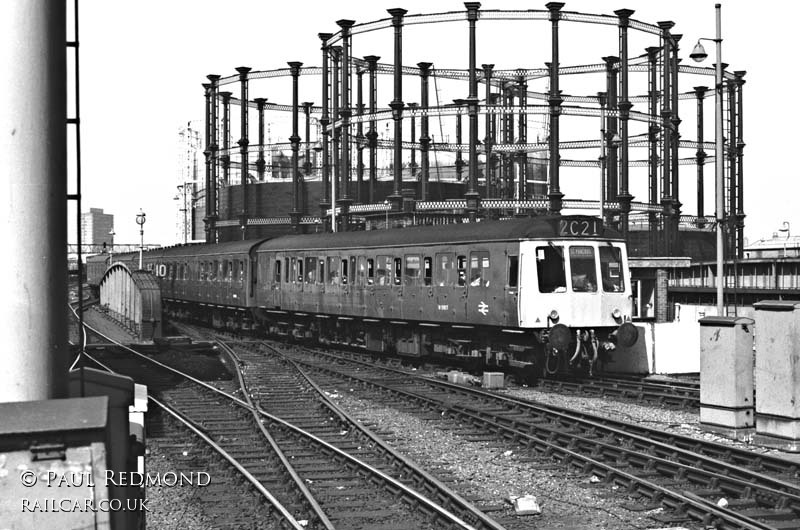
(543, 284)
(449, 286)
(480, 305)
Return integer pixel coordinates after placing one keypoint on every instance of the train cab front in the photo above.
(576, 297)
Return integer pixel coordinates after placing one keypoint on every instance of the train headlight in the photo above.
(617, 314)
(553, 316)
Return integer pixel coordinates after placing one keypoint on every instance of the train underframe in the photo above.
(525, 353)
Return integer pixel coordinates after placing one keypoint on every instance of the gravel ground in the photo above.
(495, 472)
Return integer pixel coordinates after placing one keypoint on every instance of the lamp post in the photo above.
(140, 219)
(111, 251)
(386, 204)
(699, 54)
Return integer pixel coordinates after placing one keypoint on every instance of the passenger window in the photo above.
(427, 270)
(321, 272)
(398, 270)
(461, 265)
(370, 271)
(241, 270)
(361, 276)
(412, 270)
(277, 275)
(513, 271)
(583, 269)
(352, 270)
(311, 270)
(550, 269)
(225, 271)
(445, 268)
(611, 269)
(333, 270)
(300, 270)
(344, 274)
(384, 270)
(479, 269)
(294, 270)
(287, 277)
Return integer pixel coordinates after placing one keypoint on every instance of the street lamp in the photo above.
(699, 54)
(111, 252)
(140, 219)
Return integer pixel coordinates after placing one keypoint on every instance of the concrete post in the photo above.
(33, 150)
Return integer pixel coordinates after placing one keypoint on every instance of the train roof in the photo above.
(540, 227)
(227, 248)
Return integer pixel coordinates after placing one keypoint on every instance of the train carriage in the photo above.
(497, 292)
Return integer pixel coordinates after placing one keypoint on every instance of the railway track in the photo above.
(688, 476)
(330, 478)
(672, 392)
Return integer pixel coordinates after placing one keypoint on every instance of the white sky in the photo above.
(143, 63)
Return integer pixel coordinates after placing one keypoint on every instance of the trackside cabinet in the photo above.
(726, 376)
(53, 460)
(777, 374)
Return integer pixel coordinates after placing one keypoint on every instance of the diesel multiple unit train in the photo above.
(532, 294)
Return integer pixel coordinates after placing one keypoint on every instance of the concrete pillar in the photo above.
(33, 154)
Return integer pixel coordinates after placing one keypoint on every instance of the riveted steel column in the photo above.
(225, 158)
(33, 149)
(396, 105)
(324, 121)
(666, 140)
(360, 136)
(294, 139)
(675, 136)
(508, 138)
(345, 112)
(554, 100)
(739, 167)
(487, 140)
(424, 138)
(244, 143)
(625, 105)
(472, 196)
(308, 167)
(612, 169)
(336, 52)
(413, 163)
(372, 134)
(732, 202)
(207, 154)
(652, 146)
(211, 191)
(260, 163)
(459, 157)
(522, 138)
(700, 154)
